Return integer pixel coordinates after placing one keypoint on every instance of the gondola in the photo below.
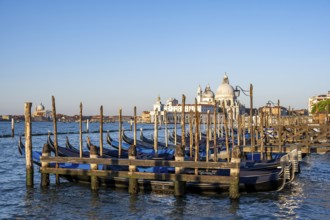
(130, 141)
(251, 180)
(63, 151)
(125, 146)
(140, 153)
(160, 144)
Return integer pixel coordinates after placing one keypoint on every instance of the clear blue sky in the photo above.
(126, 53)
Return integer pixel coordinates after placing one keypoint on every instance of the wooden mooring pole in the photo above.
(80, 131)
(12, 127)
(28, 145)
(156, 133)
(179, 186)
(196, 136)
(133, 182)
(55, 136)
(225, 124)
(261, 136)
(208, 135)
(134, 133)
(251, 120)
(215, 148)
(166, 129)
(101, 130)
(183, 122)
(175, 131)
(45, 176)
(234, 174)
(191, 135)
(94, 179)
(120, 134)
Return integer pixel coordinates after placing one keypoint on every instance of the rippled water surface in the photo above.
(308, 197)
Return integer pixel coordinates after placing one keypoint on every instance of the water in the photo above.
(307, 197)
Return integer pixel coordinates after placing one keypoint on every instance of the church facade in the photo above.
(206, 101)
(41, 114)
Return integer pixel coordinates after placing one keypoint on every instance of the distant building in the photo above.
(315, 99)
(299, 112)
(5, 117)
(273, 110)
(145, 117)
(40, 114)
(206, 100)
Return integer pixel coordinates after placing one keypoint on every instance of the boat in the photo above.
(150, 141)
(130, 141)
(64, 151)
(253, 178)
(166, 154)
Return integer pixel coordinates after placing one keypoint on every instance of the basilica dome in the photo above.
(40, 107)
(225, 90)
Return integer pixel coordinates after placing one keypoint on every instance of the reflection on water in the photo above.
(234, 206)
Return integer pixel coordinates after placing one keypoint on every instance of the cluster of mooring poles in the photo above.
(260, 141)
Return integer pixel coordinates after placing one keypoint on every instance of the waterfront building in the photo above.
(206, 100)
(41, 114)
(145, 117)
(315, 99)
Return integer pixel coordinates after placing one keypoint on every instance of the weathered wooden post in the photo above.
(87, 126)
(239, 132)
(101, 130)
(80, 131)
(257, 136)
(226, 130)
(232, 128)
(280, 129)
(175, 131)
(55, 136)
(28, 145)
(183, 122)
(279, 112)
(156, 133)
(196, 135)
(261, 137)
(179, 186)
(244, 131)
(120, 133)
(93, 166)
(208, 136)
(234, 174)
(191, 136)
(307, 141)
(219, 122)
(133, 183)
(251, 118)
(166, 129)
(141, 133)
(12, 127)
(45, 176)
(215, 132)
(134, 133)
(327, 115)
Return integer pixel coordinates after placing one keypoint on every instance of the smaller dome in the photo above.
(208, 92)
(40, 107)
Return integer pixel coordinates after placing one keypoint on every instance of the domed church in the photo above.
(224, 94)
(40, 110)
(41, 114)
(205, 100)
